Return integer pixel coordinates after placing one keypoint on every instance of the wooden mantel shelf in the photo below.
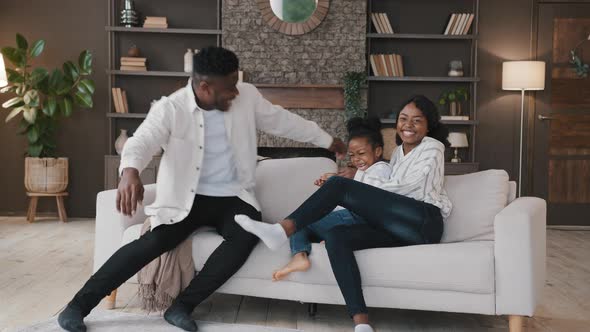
(309, 86)
(311, 96)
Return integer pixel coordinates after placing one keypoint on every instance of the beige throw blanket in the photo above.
(165, 277)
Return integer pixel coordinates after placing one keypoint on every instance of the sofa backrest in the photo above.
(283, 184)
(476, 198)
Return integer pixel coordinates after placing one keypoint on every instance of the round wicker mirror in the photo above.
(295, 17)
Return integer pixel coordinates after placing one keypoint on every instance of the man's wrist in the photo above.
(130, 170)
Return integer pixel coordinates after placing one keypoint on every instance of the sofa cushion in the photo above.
(476, 198)
(463, 267)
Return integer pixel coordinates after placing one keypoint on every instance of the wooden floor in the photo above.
(43, 264)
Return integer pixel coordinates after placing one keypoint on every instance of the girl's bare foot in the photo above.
(299, 262)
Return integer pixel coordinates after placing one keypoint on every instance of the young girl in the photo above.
(408, 208)
(365, 148)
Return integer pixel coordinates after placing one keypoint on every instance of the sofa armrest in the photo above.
(519, 254)
(110, 224)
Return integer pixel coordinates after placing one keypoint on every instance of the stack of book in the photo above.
(155, 22)
(387, 65)
(120, 100)
(459, 24)
(381, 23)
(133, 63)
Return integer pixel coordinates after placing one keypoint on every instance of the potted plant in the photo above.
(353, 82)
(454, 98)
(44, 98)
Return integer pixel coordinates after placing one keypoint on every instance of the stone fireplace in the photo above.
(292, 70)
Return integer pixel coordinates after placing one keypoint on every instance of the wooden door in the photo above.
(561, 151)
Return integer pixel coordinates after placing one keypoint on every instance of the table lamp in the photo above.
(457, 140)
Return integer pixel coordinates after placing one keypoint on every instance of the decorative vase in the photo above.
(120, 141)
(455, 68)
(129, 17)
(133, 51)
(188, 61)
(46, 175)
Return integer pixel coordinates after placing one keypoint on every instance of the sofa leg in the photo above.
(515, 323)
(312, 309)
(111, 300)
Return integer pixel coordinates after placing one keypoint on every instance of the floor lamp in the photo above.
(3, 78)
(522, 76)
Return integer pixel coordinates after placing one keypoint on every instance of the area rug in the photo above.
(112, 321)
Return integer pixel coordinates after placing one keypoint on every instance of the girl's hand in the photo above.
(347, 172)
(319, 182)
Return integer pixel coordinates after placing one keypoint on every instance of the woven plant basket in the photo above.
(46, 175)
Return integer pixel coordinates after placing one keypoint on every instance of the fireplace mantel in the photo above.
(304, 96)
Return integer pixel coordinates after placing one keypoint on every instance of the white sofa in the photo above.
(491, 259)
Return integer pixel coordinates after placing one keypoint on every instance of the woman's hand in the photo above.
(347, 172)
(319, 182)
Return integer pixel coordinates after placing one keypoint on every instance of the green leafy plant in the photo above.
(43, 97)
(353, 81)
(458, 95)
(579, 67)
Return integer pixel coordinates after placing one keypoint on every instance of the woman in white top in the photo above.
(365, 148)
(406, 208)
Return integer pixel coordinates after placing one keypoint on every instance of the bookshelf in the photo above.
(190, 25)
(426, 51)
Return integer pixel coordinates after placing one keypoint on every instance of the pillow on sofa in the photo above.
(476, 198)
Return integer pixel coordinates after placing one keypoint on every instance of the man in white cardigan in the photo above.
(207, 176)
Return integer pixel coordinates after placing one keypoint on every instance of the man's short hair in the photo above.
(215, 61)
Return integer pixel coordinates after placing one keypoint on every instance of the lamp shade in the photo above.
(523, 75)
(458, 140)
(3, 79)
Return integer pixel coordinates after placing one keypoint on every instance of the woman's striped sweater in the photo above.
(419, 175)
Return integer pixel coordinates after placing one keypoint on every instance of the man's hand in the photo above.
(347, 172)
(338, 147)
(130, 192)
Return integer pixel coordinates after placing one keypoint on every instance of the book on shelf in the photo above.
(133, 68)
(450, 24)
(454, 117)
(133, 59)
(155, 22)
(459, 24)
(155, 26)
(469, 22)
(373, 65)
(120, 100)
(376, 23)
(132, 64)
(388, 65)
(387, 24)
(400, 64)
(124, 99)
(381, 23)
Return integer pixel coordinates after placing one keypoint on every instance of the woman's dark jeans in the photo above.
(391, 220)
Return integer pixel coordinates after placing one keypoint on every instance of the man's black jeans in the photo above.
(231, 254)
(391, 220)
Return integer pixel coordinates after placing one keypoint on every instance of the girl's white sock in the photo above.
(363, 328)
(273, 235)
